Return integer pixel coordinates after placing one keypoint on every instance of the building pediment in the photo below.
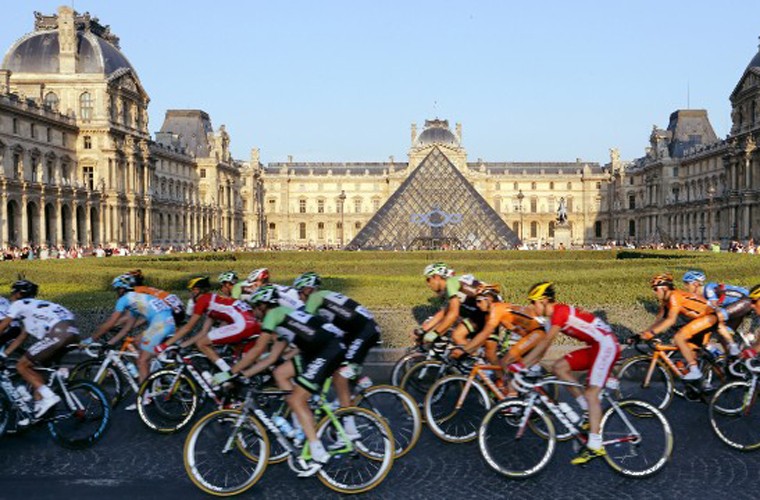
(125, 80)
(750, 79)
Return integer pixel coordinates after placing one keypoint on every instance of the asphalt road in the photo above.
(131, 461)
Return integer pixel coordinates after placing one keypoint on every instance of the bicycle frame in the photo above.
(185, 364)
(478, 371)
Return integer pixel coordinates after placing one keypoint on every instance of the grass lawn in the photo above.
(390, 284)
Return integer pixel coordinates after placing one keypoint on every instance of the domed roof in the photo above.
(755, 62)
(436, 132)
(38, 52)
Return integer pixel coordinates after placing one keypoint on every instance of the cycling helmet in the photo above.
(664, 279)
(543, 290)
(486, 290)
(137, 276)
(267, 294)
(438, 269)
(125, 282)
(228, 277)
(261, 274)
(754, 293)
(307, 280)
(694, 276)
(201, 282)
(25, 287)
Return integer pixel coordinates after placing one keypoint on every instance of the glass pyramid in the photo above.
(435, 208)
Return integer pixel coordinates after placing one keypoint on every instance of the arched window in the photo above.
(85, 106)
(51, 100)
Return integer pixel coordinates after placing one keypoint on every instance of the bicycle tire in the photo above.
(85, 424)
(170, 408)
(446, 421)
(6, 410)
(631, 376)
(399, 411)
(403, 365)
(421, 377)
(375, 445)
(215, 428)
(504, 450)
(650, 428)
(735, 416)
(110, 381)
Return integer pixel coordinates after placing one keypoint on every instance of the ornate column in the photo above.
(58, 221)
(24, 222)
(43, 221)
(88, 223)
(3, 213)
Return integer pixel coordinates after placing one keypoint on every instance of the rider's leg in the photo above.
(690, 330)
(460, 333)
(25, 368)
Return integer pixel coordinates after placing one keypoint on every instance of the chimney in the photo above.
(414, 132)
(67, 39)
(459, 131)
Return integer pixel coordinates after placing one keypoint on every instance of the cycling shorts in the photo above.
(526, 343)
(698, 330)
(52, 345)
(313, 368)
(234, 333)
(598, 359)
(368, 337)
(735, 312)
(160, 328)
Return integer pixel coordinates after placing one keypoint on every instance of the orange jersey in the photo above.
(172, 300)
(688, 305)
(518, 319)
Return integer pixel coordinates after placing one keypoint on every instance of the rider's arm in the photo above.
(433, 320)
(480, 338)
(110, 323)
(535, 354)
(16, 343)
(127, 325)
(184, 330)
(665, 323)
(277, 350)
(451, 316)
(254, 354)
(202, 333)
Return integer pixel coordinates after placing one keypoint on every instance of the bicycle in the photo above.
(78, 421)
(417, 354)
(734, 416)
(517, 438)
(656, 376)
(226, 452)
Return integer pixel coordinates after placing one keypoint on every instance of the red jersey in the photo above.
(222, 308)
(580, 324)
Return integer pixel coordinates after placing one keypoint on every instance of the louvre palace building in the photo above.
(80, 167)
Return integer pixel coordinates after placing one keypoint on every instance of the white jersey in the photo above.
(39, 316)
(288, 297)
(5, 304)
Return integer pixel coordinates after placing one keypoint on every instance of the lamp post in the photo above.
(342, 200)
(710, 196)
(520, 197)
(702, 232)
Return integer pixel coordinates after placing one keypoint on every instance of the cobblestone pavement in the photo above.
(131, 462)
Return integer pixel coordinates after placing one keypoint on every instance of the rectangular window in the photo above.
(15, 125)
(631, 228)
(35, 169)
(534, 205)
(358, 206)
(88, 177)
(321, 230)
(675, 171)
(598, 229)
(320, 206)
(50, 172)
(301, 206)
(33, 130)
(203, 173)
(632, 202)
(16, 166)
(375, 205)
(271, 206)
(87, 142)
(49, 135)
(569, 205)
(302, 230)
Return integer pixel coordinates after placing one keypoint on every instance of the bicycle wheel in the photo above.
(363, 465)
(404, 364)
(398, 410)
(421, 377)
(735, 417)
(5, 412)
(449, 418)
(110, 380)
(636, 383)
(509, 442)
(222, 459)
(713, 376)
(81, 417)
(167, 401)
(637, 438)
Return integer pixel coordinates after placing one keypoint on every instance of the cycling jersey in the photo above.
(688, 305)
(722, 294)
(341, 311)
(174, 302)
(307, 331)
(142, 304)
(39, 316)
(580, 324)
(239, 322)
(517, 320)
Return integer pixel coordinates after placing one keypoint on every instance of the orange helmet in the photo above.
(664, 279)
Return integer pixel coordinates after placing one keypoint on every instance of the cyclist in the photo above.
(362, 332)
(239, 323)
(460, 293)
(14, 328)
(130, 307)
(260, 277)
(597, 358)
(518, 320)
(731, 302)
(674, 303)
(174, 302)
(320, 353)
(54, 328)
(754, 297)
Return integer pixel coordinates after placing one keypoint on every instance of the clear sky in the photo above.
(343, 80)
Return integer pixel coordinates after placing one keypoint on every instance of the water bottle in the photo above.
(132, 369)
(24, 393)
(569, 412)
(207, 377)
(713, 349)
(284, 426)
